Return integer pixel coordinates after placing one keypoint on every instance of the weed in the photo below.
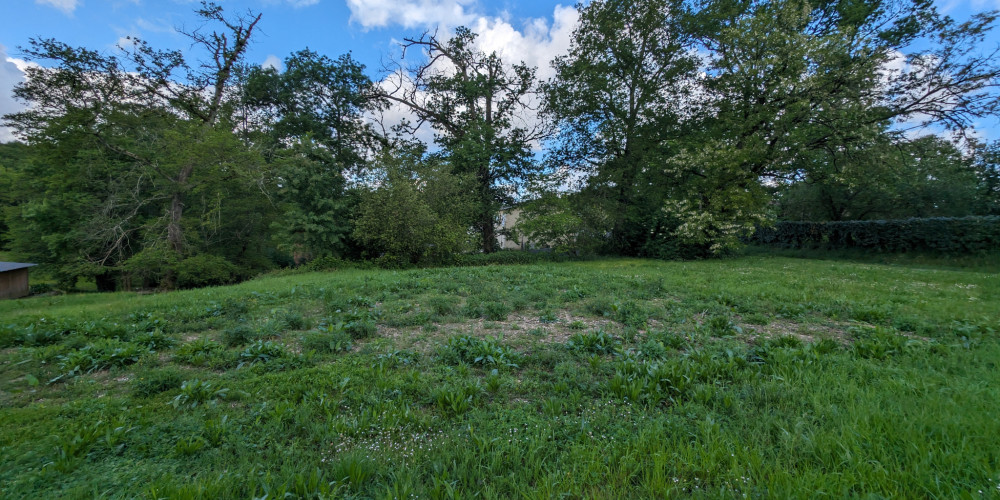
(327, 340)
(454, 400)
(154, 382)
(722, 326)
(263, 352)
(190, 445)
(196, 392)
(202, 352)
(496, 311)
(476, 351)
(594, 342)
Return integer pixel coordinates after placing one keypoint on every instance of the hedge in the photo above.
(950, 235)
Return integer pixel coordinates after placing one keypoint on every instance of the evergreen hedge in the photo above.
(951, 235)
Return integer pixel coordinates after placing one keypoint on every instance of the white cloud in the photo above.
(67, 6)
(11, 74)
(272, 61)
(536, 43)
(125, 42)
(410, 13)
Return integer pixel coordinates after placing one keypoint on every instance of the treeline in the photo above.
(672, 129)
(942, 235)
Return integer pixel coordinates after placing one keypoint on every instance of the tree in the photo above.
(987, 166)
(311, 115)
(131, 145)
(794, 84)
(891, 179)
(618, 97)
(419, 209)
(477, 105)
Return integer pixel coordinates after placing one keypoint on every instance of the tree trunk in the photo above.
(488, 229)
(175, 233)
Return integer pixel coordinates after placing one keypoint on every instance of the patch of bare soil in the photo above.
(519, 329)
(806, 332)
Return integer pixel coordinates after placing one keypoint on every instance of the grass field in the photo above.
(757, 377)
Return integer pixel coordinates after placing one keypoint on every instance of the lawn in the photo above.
(753, 377)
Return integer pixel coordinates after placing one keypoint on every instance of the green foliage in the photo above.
(101, 354)
(454, 400)
(205, 270)
(552, 222)
(327, 340)
(956, 236)
(197, 392)
(419, 211)
(153, 382)
(413, 412)
(476, 351)
(201, 352)
(263, 352)
(594, 342)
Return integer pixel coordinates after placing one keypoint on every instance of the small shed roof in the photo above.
(13, 266)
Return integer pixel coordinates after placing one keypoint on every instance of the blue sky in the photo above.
(533, 31)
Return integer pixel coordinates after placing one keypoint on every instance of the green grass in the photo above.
(760, 376)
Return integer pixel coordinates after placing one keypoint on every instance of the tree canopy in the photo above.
(671, 128)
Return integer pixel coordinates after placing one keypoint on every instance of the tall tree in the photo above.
(789, 80)
(479, 107)
(161, 131)
(619, 98)
(312, 115)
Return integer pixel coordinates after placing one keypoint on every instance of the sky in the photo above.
(530, 30)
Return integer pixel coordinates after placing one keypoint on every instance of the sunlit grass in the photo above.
(758, 376)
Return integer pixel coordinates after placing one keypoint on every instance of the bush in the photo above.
(206, 270)
(948, 235)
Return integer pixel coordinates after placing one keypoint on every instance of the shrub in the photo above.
(206, 270)
(948, 235)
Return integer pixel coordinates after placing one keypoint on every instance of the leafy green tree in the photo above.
(419, 209)
(562, 222)
(987, 166)
(136, 152)
(797, 84)
(926, 177)
(312, 116)
(478, 106)
(617, 97)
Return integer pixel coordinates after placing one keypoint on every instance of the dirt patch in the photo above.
(806, 332)
(518, 329)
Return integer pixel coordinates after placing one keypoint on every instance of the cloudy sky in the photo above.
(528, 30)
